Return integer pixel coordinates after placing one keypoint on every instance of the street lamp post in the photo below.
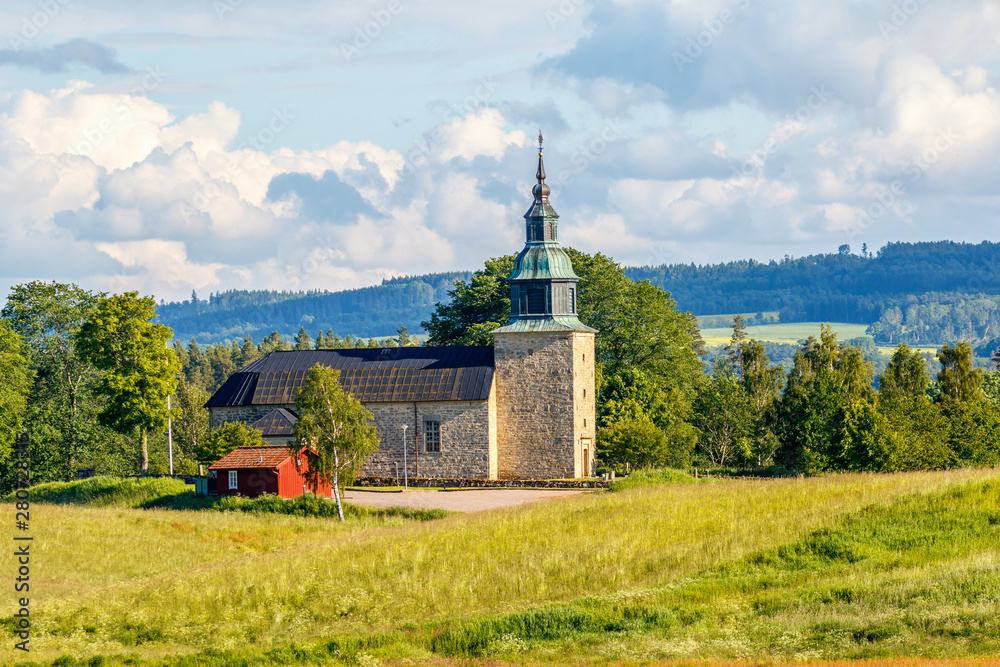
(406, 478)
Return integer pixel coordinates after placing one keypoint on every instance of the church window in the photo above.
(432, 435)
(572, 303)
(536, 301)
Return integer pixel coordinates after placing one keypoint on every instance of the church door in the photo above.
(586, 463)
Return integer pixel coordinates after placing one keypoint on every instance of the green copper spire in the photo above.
(543, 286)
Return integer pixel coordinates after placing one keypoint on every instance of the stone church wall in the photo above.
(541, 405)
(468, 436)
(467, 439)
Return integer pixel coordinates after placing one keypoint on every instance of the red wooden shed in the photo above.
(254, 471)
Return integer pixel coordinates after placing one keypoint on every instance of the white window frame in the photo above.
(233, 479)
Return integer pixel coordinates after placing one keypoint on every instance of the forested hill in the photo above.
(917, 292)
(370, 311)
(842, 287)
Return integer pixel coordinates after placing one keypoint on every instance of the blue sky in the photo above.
(218, 144)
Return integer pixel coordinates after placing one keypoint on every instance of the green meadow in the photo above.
(838, 567)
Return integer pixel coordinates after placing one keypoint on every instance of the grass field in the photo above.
(784, 333)
(835, 567)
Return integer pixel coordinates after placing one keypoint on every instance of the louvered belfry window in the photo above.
(536, 300)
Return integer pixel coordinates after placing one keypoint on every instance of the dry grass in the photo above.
(157, 582)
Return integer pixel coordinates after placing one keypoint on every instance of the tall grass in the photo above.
(645, 478)
(168, 493)
(158, 582)
(109, 491)
(919, 577)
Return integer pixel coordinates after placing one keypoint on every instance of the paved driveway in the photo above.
(458, 501)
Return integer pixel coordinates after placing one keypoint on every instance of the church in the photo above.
(521, 409)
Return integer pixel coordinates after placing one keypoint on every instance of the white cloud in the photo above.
(478, 133)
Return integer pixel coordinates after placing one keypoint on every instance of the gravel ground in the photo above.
(458, 501)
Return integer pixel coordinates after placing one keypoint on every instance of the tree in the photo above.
(62, 409)
(225, 439)
(16, 377)
(191, 426)
(869, 443)
(403, 337)
(825, 378)
(635, 442)
(334, 433)
(958, 380)
(273, 343)
(723, 414)
(762, 384)
(918, 422)
(475, 307)
(140, 372)
(735, 348)
(303, 341)
(905, 377)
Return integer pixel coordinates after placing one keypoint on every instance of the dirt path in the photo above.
(457, 501)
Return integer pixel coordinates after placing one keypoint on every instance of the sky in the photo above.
(314, 144)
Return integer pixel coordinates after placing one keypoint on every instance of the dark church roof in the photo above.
(276, 423)
(398, 374)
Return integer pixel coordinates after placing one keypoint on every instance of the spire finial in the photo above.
(540, 175)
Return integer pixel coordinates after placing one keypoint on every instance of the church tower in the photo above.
(544, 358)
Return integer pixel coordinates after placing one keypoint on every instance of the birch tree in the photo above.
(334, 433)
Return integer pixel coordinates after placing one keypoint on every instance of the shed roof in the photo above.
(399, 374)
(267, 456)
(276, 423)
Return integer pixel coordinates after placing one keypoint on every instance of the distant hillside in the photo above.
(924, 293)
(370, 311)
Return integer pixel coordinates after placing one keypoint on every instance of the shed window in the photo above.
(536, 300)
(232, 479)
(432, 435)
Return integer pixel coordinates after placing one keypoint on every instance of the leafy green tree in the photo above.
(973, 432)
(635, 442)
(723, 415)
(868, 441)
(630, 394)
(140, 372)
(225, 439)
(825, 379)
(334, 432)
(762, 384)
(991, 387)
(475, 307)
(303, 341)
(191, 425)
(958, 379)
(16, 377)
(905, 377)
(62, 408)
(904, 402)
